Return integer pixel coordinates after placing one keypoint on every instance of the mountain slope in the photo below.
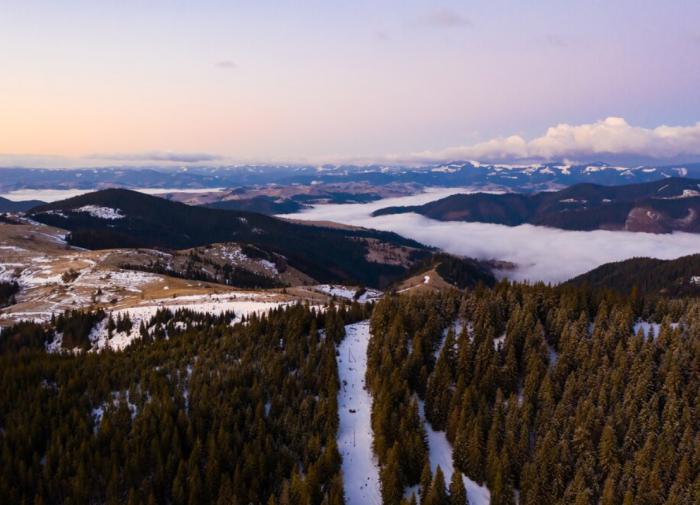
(261, 204)
(650, 276)
(655, 207)
(21, 206)
(117, 218)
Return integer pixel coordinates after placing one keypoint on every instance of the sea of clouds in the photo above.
(540, 253)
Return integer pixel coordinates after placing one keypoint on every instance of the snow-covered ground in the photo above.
(441, 454)
(241, 303)
(101, 212)
(348, 293)
(45, 290)
(650, 330)
(99, 411)
(360, 468)
(234, 254)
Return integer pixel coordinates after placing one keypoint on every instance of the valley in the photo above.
(523, 252)
(663, 206)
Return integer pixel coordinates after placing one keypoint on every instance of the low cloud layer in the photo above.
(541, 254)
(611, 137)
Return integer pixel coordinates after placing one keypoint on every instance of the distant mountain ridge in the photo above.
(18, 206)
(260, 204)
(662, 206)
(118, 218)
(530, 177)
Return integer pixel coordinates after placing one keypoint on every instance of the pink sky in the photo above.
(288, 81)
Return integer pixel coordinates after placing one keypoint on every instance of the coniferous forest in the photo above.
(546, 394)
(213, 414)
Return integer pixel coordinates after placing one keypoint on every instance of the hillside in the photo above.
(655, 207)
(261, 204)
(649, 276)
(20, 206)
(118, 218)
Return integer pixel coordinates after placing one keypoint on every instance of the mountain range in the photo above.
(662, 206)
(529, 177)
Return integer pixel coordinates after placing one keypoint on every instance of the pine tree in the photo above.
(391, 481)
(437, 494)
(458, 494)
(426, 479)
(607, 449)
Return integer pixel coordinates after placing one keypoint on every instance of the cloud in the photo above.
(612, 136)
(553, 40)
(531, 248)
(226, 64)
(444, 18)
(159, 156)
(381, 35)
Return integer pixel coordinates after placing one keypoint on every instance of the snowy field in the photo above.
(360, 469)
(540, 253)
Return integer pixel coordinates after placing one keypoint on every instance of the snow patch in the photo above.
(240, 303)
(649, 329)
(99, 411)
(101, 212)
(440, 452)
(347, 293)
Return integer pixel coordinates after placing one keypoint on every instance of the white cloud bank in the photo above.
(611, 140)
(611, 136)
(540, 253)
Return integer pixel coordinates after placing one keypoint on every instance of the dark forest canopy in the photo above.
(646, 277)
(547, 391)
(8, 290)
(213, 414)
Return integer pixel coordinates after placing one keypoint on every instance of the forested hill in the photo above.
(546, 395)
(210, 414)
(647, 276)
(656, 207)
(19, 206)
(118, 218)
(261, 204)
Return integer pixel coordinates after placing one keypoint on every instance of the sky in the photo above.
(92, 83)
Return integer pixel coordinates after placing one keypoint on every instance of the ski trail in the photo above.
(360, 468)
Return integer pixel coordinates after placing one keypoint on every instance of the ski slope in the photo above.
(360, 467)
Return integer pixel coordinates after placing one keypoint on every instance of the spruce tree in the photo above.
(458, 493)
